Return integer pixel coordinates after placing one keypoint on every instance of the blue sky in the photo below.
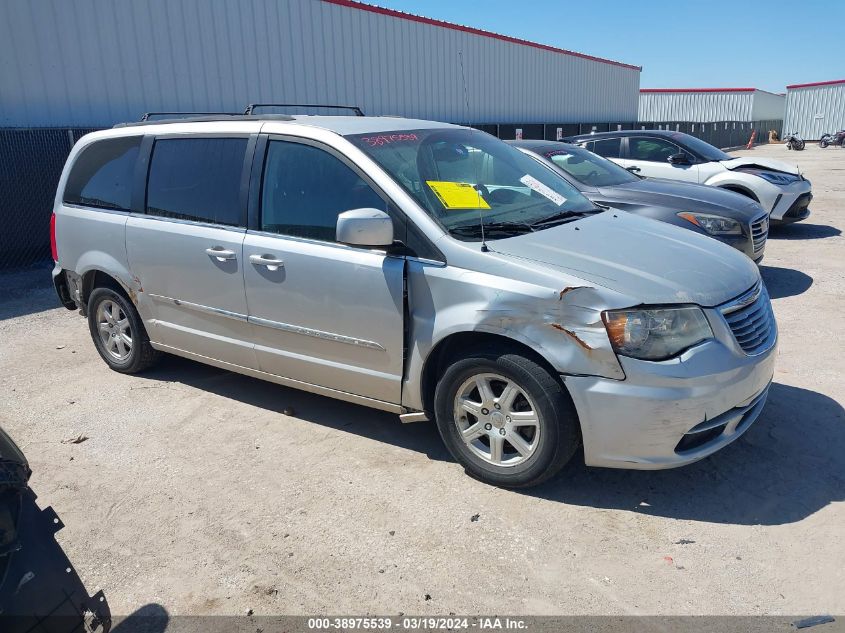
(763, 44)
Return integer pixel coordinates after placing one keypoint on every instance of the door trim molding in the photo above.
(200, 307)
(305, 331)
(276, 325)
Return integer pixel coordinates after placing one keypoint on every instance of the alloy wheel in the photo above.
(114, 330)
(497, 420)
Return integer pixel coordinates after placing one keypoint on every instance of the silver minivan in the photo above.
(421, 268)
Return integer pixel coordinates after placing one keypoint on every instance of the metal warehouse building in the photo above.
(815, 109)
(68, 67)
(707, 105)
(99, 62)
(724, 117)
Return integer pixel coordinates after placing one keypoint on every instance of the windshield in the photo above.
(705, 150)
(588, 168)
(461, 176)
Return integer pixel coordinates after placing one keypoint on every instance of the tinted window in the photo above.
(305, 188)
(102, 174)
(705, 150)
(590, 169)
(197, 179)
(608, 147)
(651, 149)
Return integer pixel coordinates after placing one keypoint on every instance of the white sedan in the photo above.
(779, 187)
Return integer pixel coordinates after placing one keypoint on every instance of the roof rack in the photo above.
(147, 115)
(250, 109)
(207, 119)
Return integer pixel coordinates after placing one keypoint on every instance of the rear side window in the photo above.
(197, 179)
(305, 188)
(102, 174)
(609, 147)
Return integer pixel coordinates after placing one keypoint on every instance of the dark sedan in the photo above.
(727, 216)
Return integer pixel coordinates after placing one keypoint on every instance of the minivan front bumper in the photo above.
(671, 413)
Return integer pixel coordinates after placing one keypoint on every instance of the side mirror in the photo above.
(678, 159)
(365, 227)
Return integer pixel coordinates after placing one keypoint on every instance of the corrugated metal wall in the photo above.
(696, 106)
(96, 62)
(767, 106)
(815, 110)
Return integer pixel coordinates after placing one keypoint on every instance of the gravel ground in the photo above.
(196, 491)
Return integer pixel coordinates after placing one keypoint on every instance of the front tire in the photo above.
(506, 419)
(118, 332)
(799, 145)
(824, 142)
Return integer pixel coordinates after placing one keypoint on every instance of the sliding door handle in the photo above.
(220, 254)
(269, 261)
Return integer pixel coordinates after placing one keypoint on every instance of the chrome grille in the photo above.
(752, 321)
(759, 232)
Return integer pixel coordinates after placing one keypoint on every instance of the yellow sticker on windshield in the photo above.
(457, 195)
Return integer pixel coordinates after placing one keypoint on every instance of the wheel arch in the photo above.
(460, 344)
(740, 189)
(96, 278)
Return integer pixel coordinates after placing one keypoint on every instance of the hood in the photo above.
(684, 196)
(762, 163)
(652, 262)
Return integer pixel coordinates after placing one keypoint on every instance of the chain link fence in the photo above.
(31, 162)
(722, 134)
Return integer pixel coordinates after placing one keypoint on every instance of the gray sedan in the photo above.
(727, 216)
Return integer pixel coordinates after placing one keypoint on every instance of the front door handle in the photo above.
(266, 260)
(633, 169)
(220, 254)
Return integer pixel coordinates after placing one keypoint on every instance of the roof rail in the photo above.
(250, 109)
(147, 115)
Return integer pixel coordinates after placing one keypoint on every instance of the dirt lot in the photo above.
(197, 493)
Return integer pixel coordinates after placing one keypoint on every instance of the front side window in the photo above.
(651, 149)
(463, 177)
(197, 179)
(305, 188)
(102, 174)
(590, 169)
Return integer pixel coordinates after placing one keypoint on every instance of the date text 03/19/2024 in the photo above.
(421, 623)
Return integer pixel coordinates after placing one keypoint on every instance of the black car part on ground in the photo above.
(39, 589)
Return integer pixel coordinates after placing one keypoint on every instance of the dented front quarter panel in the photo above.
(556, 314)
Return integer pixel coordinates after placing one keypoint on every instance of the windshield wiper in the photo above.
(474, 230)
(567, 216)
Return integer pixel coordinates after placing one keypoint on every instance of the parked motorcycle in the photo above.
(793, 141)
(833, 139)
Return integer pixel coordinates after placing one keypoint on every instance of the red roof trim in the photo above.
(352, 4)
(817, 83)
(699, 90)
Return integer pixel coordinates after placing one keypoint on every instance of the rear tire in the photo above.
(506, 419)
(118, 332)
(799, 145)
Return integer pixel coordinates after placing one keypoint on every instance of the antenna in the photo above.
(484, 248)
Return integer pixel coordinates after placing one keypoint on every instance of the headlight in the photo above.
(713, 224)
(656, 334)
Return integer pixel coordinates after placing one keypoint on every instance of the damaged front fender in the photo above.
(563, 323)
